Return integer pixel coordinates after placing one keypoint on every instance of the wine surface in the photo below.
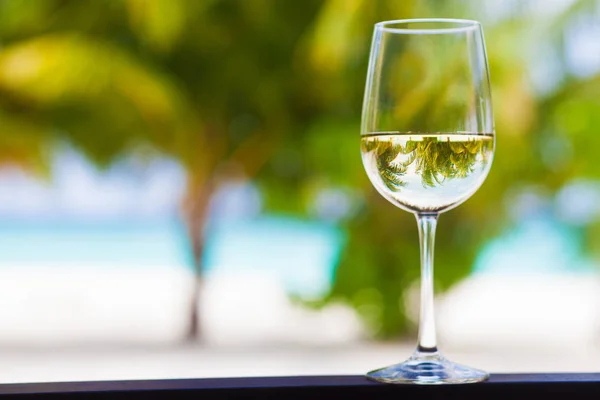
(427, 172)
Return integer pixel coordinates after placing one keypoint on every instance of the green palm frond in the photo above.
(102, 97)
(438, 161)
(391, 171)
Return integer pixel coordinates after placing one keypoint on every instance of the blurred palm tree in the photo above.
(210, 83)
(271, 91)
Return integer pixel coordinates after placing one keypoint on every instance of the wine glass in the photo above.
(427, 143)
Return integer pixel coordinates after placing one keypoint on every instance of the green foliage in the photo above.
(382, 251)
(434, 160)
(437, 161)
(385, 153)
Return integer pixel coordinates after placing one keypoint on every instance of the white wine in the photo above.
(427, 172)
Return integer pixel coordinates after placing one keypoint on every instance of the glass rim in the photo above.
(462, 25)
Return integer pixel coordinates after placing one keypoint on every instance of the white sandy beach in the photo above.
(95, 323)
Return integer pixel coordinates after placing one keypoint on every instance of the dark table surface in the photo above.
(512, 386)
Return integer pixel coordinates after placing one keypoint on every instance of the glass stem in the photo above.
(427, 334)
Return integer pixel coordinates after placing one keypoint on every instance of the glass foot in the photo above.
(427, 370)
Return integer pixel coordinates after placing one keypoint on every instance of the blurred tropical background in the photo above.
(182, 195)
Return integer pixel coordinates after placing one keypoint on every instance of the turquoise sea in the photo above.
(301, 254)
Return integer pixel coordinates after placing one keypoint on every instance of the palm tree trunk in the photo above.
(196, 214)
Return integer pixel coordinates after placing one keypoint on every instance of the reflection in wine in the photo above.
(427, 172)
